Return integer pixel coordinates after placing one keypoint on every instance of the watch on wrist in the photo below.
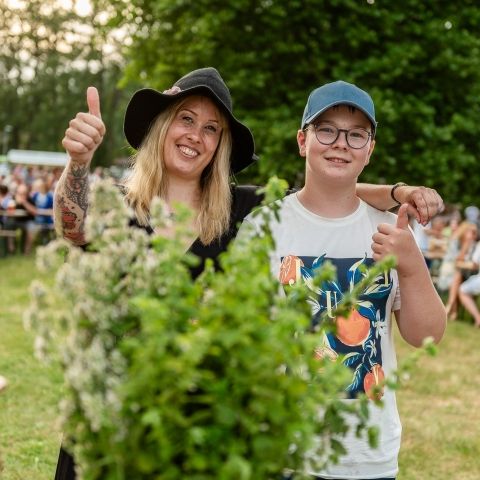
(392, 191)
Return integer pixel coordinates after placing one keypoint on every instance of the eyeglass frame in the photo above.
(371, 135)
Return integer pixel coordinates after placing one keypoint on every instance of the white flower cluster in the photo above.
(80, 315)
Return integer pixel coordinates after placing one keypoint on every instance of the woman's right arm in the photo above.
(83, 136)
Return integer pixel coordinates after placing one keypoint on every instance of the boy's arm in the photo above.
(82, 138)
(422, 313)
(423, 203)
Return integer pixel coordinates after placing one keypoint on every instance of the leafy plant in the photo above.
(169, 377)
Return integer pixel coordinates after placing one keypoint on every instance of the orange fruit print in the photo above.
(353, 330)
(371, 380)
(290, 270)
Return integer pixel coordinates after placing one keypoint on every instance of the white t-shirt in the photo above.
(303, 242)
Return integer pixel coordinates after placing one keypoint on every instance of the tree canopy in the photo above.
(49, 55)
(419, 61)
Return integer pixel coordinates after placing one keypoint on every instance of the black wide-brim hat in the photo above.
(146, 104)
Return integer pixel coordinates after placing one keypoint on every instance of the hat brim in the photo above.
(146, 104)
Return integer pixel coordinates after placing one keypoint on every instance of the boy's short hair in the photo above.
(338, 93)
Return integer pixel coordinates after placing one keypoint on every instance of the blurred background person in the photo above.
(457, 264)
(20, 215)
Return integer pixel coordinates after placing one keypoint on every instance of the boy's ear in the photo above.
(301, 140)
(370, 151)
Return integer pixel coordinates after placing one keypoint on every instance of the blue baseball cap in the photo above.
(338, 93)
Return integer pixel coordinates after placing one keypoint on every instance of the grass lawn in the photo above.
(29, 436)
(438, 406)
(439, 410)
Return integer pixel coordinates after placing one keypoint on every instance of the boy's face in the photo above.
(337, 161)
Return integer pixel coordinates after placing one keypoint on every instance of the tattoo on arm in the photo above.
(76, 186)
(71, 204)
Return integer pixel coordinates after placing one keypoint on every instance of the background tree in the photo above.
(49, 55)
(419, 61)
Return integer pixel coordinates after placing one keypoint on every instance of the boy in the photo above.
(325, 220)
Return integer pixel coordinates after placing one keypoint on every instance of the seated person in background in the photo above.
(420, 233)
(437, 241)
(22, 215)
(42, 199)
(471, 288)
(472, 214)
(457, 264)
(430, 239)
(5, 199)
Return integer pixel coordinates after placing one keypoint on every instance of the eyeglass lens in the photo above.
(328, 134)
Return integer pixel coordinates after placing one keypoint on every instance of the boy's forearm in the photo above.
(422, 313)
(71, 203)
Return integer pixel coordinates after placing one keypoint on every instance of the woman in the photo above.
(188, 143)
(458, 264)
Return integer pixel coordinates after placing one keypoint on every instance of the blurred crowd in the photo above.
(26, 206)
(451, 247)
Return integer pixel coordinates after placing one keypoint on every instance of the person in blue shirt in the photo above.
(42, 199)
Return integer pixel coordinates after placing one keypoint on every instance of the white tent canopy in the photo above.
(33, 157)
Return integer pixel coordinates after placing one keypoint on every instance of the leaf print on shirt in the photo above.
(357, 340)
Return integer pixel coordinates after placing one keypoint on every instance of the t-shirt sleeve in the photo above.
(248, 229)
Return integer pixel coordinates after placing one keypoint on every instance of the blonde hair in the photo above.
(149, 178)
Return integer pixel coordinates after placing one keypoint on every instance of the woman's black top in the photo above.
(244, 199)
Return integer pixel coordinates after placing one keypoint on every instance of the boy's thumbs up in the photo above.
(93, 102)
(402, 217)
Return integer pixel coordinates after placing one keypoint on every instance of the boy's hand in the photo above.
(423, 202)
(85, 132)
(398, 240)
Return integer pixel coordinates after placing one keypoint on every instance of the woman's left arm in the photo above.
(424, 203)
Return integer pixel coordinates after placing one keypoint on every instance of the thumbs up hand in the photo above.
(397, 240)
(402, 217)
(86, 131)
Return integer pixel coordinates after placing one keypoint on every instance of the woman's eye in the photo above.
(187, 119)
(211, 129)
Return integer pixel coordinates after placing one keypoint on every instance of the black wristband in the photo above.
(392, 191)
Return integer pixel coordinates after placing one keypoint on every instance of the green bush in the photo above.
(168, 377)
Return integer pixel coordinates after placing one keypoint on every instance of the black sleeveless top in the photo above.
(244, 199)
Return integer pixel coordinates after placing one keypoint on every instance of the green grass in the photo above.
(29, 434)
(439, 410)
(438, 406)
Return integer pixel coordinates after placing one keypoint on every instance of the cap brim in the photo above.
(146, 104)
(312, 117)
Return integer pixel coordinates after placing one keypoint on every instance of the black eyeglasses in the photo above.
(327, 134)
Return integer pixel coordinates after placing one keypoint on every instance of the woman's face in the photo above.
(192, 138)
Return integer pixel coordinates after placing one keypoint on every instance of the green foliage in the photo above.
(420, 62)
(173, 377)
(49, 55)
